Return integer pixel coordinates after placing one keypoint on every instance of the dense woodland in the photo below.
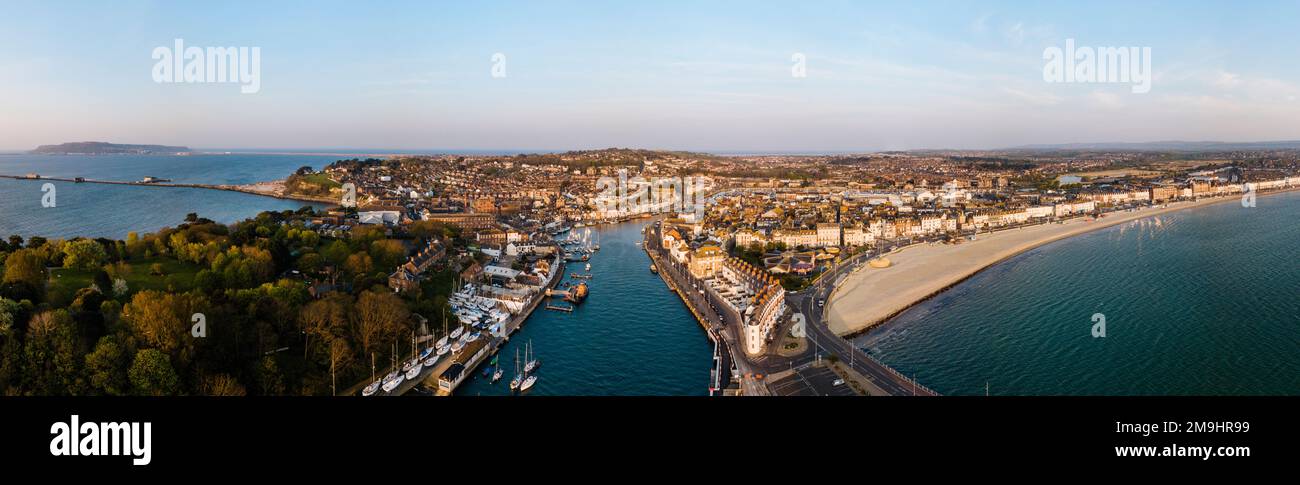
(286, 309)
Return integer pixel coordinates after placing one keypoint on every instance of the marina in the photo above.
(630, 336)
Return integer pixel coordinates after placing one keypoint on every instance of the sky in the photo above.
(692, 75)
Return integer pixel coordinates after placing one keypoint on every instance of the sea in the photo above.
(111, 211)
(1204, 301)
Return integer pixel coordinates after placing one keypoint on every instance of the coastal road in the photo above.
(824, 339)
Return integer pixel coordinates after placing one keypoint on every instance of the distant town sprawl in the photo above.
(795, 202)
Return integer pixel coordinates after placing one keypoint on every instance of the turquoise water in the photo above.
(1207, 302)
(98, 210)
(632, 336)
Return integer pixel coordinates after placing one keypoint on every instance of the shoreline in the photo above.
(870, 297)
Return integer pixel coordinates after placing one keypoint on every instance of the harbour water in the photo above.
(632, 335)
(1198, 302)
(112, 211)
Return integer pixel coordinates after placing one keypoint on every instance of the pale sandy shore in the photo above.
(871, 296)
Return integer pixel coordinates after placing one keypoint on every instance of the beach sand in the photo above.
(871, 296)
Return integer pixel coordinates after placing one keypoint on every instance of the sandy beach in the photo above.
(871, 296)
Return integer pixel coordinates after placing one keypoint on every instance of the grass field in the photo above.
(65, 282)
(321, 180)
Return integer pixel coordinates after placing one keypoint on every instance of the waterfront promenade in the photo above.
(723, 327)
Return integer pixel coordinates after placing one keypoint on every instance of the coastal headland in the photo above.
(872, 296)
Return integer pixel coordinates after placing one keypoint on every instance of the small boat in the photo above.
(390, 385)
(531, 362)
(443, 349)
(414, 372)
(518, 378)
(370, 390)
(424, 354)
(654, 269)
(588, 267)
(456, 333)
(408, 364)
(496, 376)
(528, 383)
(456, 346)
(432, 361)
(391, 376)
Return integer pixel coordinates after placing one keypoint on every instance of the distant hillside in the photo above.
(1188, 146)
(102, 148)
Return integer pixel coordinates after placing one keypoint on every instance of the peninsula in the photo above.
(104, 148)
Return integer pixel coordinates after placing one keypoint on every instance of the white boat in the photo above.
(442, 342)
(518, 378)
(390, 385)
(496, 375)
(424, 354)
(456, 333)
(472, 337)
(588, 267)
(414, 372)
(443, 349)
(370, 390)
(432, 361)
(531, 360)
(456, 346)
(391, 376)
(528, 383)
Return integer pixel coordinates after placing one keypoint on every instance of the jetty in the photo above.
(156, 182)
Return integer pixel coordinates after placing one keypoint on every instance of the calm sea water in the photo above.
(632, 336)
(1206, 302)
(112, 211)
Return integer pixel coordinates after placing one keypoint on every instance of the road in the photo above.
(820, 334)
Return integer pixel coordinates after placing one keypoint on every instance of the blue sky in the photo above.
(680, 75)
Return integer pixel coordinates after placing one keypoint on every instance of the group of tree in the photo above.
(287, 311)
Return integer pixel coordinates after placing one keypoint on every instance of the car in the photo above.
(838, 382)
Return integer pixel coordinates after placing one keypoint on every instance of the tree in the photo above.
(221, 385)
(162, 321)
(53, 355)
(387, 253)
(379, 316)
(25, 266)
(322, 320)
(151, 374)
(310, 263)
(359, 264)
(106, 368)
(103, 281)
(83, 254)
